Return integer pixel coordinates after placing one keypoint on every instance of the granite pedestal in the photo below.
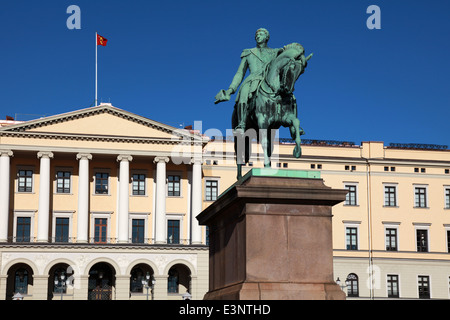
(270, 238)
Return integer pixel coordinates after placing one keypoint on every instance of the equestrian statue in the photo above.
(265, 100)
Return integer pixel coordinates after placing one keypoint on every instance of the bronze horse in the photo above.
(274, 105)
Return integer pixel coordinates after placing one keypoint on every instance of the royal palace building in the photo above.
(100, 203)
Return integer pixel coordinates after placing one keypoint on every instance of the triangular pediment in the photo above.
(101, 121)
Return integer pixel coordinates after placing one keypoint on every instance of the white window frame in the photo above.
(422, 226)
(392, 225)
(427, 200)
(62, 214)
(179, 217)
(24, 214)
(100, 215)
(353, 184)
(352, 224)
(94, 178)
(429, 283)
(391, 185)
(142, 216)
(217, 179)
(448, 291)
(399, 286)
(446, 188)
(33, 176)
(146, 184)
(55, 182)
(174, 173)
(447, 238)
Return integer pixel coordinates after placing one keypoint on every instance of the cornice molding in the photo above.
(100, 138)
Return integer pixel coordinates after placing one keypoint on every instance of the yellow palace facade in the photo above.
(100, 203)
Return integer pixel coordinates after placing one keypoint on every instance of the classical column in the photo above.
(44, 196)
(5, 168)
(83, 197)
(160, 210)
(196, 194)
(124, 180)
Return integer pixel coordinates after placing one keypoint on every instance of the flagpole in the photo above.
(96, 48)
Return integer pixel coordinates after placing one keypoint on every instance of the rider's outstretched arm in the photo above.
(239, 76)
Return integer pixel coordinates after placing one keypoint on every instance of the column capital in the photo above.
(6, 153)
(84, 156)
(196, 161)
(45, 154)
(161, 159)
(124, 157)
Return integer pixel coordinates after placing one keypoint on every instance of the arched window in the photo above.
(352, 285)
(137, 275)
(21, 281)
(60, 280)
(101, 281)
(179, 280)
(141, 276)
(172, 281)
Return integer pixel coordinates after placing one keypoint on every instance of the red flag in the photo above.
(101, 41)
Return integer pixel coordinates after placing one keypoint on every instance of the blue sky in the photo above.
(166, 60)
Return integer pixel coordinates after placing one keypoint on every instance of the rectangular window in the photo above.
(448, 241)
(392, 286)
(63, 182)
(352, 238)
(422, 240)
(138, 184)
(420, 197)
(390, 196)
(447, 198)
(100, 230)
(138, 231)
(424, 287)
(350, 199)
(23, 229)
(101, 183)
(173, 187)
(62, 230)
(173, 231)
(25, 183)
(211, 190)
(391, 239)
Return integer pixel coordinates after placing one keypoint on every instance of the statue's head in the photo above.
(262, 35)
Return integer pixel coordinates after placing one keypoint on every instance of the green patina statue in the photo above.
(265, 100)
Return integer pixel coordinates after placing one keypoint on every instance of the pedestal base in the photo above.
(277, 291)
(270, 239)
